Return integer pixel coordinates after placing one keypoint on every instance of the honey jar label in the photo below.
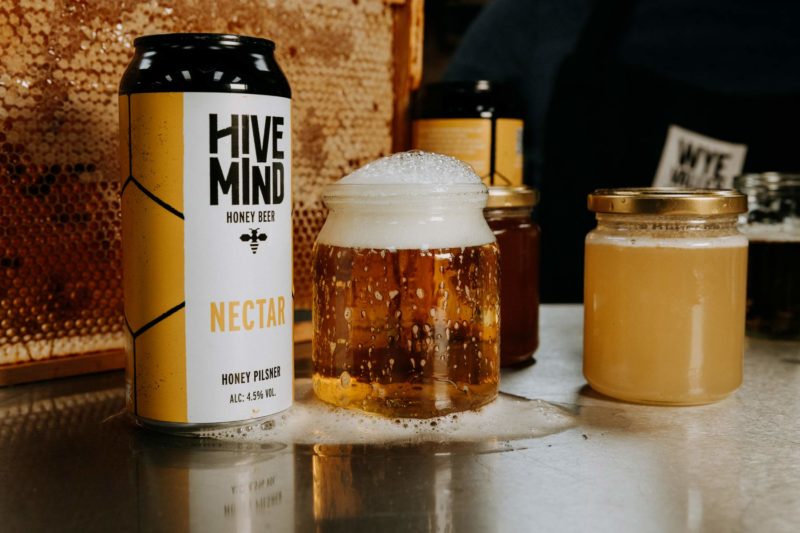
(508, 152)
(467, 139)
(473, 140)
(207, 255)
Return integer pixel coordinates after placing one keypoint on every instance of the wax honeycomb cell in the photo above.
(60, 261)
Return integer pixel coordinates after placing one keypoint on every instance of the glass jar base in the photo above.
(665, 401)
(404, 400)
(517, 361)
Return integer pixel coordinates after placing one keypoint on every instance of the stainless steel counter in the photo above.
(68, 464)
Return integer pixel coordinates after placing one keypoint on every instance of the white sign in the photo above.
(690, 159)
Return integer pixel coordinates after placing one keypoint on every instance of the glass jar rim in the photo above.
(667, 201)
(509, 197)
(403, 193)
(767, 180)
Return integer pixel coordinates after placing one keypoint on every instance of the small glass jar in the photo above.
(508, 212)
(664, 295)
(773, 277)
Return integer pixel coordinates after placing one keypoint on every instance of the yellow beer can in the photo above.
(205, 156)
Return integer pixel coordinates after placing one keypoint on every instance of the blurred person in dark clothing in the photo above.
(621, 93)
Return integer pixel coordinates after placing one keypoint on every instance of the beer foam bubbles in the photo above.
(413, 168)
(409, 200)
(310, 421)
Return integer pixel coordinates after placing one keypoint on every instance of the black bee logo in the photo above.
(253, 238)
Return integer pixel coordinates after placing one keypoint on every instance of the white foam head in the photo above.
(409, 200)
(413, 168)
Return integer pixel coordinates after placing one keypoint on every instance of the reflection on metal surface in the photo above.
(397, 489)
(682, 474)
(17, 415)
(212, 485)
(334, 494)
(67, 464)
(56, 455)
(55, 412)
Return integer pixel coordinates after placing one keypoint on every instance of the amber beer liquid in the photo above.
(412, 326)
(406, 294)
(665, 297)
(205, 154)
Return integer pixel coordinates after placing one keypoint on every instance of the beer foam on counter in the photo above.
(413, 168)
(311, 421)
(728, 241)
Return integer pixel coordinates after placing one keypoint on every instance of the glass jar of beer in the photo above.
(664, 295)
(772, 225)
(406, 296)
(508, 213)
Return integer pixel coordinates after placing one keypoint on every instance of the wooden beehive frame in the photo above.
(38, 67)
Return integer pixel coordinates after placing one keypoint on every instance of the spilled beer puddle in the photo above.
(312, 422)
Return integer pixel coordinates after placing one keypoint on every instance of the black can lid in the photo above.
(228, 40)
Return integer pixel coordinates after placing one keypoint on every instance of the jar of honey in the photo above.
(773, 269)
(664, 295)
(508, 212)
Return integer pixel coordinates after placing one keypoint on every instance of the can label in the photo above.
(493, 150)
(207, 255)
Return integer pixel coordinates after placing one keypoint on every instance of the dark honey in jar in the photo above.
(508, 213)
(772, 225)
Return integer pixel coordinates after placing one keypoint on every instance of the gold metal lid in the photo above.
(500, 197)
(667, 201)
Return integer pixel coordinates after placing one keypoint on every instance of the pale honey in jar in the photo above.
(664, 295)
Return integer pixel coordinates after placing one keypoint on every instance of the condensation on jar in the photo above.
(508, 212)
(664, 295)
(406, 298)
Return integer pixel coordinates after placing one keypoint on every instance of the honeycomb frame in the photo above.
(351, 65)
